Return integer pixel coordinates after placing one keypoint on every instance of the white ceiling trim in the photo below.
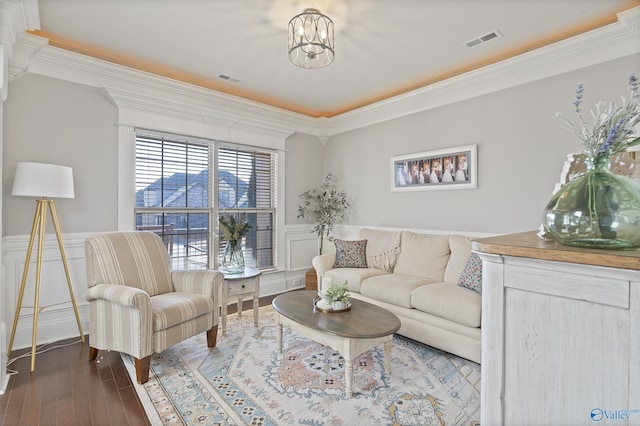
(16, 17)
(604, 44)
(180, 116)
(601, 45)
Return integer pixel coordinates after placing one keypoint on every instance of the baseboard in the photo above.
(4, 377)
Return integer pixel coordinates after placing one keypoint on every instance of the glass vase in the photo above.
(232, 258)
(598, 209)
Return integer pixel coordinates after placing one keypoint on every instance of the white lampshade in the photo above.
(43, 180)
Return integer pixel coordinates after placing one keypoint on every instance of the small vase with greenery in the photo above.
(324, 205)
(233, 230)
(338, 295)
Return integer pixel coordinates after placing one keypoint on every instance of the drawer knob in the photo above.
(243, 286)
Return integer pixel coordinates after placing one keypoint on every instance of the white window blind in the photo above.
(174, 197)
(246, 189)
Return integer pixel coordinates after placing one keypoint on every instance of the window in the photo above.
(174, 197)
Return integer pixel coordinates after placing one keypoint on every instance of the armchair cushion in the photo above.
(174, 308)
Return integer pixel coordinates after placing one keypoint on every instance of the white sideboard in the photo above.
(560, 333)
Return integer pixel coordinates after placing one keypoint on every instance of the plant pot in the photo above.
(338, 305)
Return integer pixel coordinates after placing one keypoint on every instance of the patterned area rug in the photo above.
(245, 381)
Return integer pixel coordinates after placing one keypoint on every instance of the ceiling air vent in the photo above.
(226, 77)
(483, 39)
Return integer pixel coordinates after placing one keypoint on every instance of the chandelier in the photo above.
(311, 39)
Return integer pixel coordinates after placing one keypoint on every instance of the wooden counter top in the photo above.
(528, 244)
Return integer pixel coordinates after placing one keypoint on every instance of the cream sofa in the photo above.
(415, 276)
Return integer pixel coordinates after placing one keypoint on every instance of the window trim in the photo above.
(128, 137)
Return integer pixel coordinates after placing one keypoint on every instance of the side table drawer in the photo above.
(241, 287)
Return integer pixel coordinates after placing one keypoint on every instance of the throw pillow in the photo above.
(471, 276)
(350, 254)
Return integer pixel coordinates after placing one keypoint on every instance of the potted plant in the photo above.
(338, 295)
(324, 205)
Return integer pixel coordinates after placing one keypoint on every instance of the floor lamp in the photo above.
(42, 180)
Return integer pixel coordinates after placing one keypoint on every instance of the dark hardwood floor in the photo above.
(67, 389)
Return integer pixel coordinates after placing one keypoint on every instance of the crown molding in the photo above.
(139, 90)
(604, 44)
(16, 17)
(185, 113)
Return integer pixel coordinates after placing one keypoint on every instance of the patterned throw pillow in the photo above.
(350, 254)
(471, 276)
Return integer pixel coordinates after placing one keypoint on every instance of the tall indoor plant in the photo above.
(324, 205)
(599, 209)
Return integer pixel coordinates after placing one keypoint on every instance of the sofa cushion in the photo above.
(393, 288)
(353, 276)
(423, 255)
(350, 254)
(471, 276)
(449, 301)
(460, 247)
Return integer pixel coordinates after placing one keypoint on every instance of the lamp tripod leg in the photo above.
(56, 226)
(36, 297)
(34, 229)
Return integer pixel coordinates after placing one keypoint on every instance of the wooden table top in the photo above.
(528, 244)
(363, 320)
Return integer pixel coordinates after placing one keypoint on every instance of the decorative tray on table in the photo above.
(320, 306)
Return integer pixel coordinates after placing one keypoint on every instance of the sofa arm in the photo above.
(323, 263)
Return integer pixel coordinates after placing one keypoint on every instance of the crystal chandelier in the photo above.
(311, 39)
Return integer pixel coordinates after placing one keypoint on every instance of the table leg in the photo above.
(279, 335)
(239, 307)
(224, 317)
(255, 311)
(348, 377)
(387, 356)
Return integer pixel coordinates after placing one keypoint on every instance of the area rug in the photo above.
(245, 381)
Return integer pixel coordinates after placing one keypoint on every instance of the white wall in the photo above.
(521, 151)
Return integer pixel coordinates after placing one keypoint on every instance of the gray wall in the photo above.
(521, 151)
(303, 170)
(53, 121)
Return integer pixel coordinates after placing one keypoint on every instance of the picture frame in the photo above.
(442, 169)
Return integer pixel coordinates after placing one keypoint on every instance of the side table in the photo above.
(241, 286)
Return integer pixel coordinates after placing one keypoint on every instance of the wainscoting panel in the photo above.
(302, 245)
(57, 320)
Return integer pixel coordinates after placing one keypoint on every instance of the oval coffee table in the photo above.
(351, 333)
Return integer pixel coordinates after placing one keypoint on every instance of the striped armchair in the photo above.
(137, 305)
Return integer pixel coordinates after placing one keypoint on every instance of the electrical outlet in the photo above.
(297, 282)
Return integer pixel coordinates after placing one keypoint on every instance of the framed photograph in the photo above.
(449, 168)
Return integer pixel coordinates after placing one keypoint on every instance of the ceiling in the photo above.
(383, 48)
